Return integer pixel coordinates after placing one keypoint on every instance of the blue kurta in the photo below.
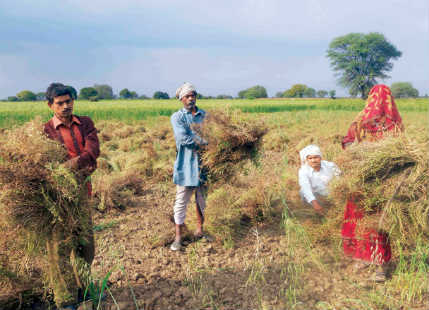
(187, 165)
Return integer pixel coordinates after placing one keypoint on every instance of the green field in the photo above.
(133, 110)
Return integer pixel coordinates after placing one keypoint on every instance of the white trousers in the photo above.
(183, 195)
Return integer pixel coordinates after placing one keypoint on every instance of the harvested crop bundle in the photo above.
(117, 189)
(231, 140)
(389, 180)
(37, 192)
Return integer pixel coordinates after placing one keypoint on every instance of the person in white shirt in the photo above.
(314, 176)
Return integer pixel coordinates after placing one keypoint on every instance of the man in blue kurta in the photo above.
(187, 173)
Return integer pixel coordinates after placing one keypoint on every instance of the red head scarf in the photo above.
(379, 115)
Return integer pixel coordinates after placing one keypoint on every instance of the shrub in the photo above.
(87, 92)
(160, 95)
(253, 92)
(26, 95)
(404, 90)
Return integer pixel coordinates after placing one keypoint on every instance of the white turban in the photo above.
(309, 150)
(184, 90)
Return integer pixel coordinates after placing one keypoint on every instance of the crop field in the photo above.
(270, 251)
(134, 110)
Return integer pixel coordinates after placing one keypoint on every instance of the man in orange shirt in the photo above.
(70, 261)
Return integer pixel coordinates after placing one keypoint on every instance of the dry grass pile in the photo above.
(37, 191)
(231, 140)
(117, 190)
(132, 160)
(37, 194)
(389, 179)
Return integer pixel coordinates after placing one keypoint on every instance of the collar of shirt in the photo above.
(57, 122)
(190, 112)
(312, 170)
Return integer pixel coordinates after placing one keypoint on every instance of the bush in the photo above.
(160, 95)
(42, 96)
(253, 92)
(26, 95)
(404, 90)
(322, 93)
(300, 91)
(12, 98)
(309, 92)
(104, 91)
(87, 92)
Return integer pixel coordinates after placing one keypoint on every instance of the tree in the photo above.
(125, 94)
(296, 91)
(144, 97)
(403, 90)
(160, 95)
(88, 92)
(309, 92)
(26, 95)
(133, 95)
(322, 93)
(41, 96)
(12, 98)
(358, 59)
(332, 94)
(257, 91)
(279, 94)
(104, 91)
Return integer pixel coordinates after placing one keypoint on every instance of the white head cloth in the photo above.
(184, 90)
(309, 150)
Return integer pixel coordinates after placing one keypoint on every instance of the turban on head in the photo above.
(185, 89)
(309, 150)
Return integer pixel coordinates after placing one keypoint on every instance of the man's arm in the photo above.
(91, 151)
(307, 192)
(183, 133)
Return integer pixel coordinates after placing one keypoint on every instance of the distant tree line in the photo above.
(303, 91)
(105, 92)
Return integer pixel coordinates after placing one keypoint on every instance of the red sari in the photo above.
(372, 246)
(379, 115)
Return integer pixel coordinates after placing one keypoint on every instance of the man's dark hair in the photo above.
(58, 89)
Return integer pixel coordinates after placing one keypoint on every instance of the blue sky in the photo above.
(220, 46)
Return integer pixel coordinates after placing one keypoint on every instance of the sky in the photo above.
(220, 46)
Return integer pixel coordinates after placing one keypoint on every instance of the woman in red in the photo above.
(379, 116)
